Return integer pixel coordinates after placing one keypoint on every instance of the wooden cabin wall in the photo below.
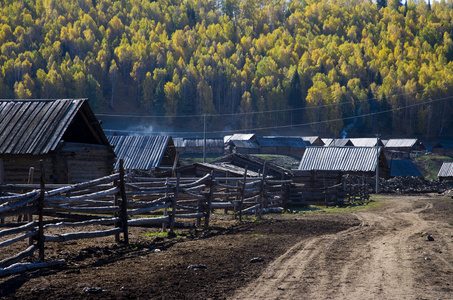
(76, 162)
(17, 167)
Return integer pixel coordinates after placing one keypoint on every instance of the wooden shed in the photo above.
(63, 133)
(403, 147)
(443, 148)
(446, 171)
(320, 163)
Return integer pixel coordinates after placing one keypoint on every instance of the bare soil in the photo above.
(378, 253)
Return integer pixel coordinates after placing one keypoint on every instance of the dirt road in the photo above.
(387, 257)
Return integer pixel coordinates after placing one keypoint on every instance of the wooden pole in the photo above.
(29, 217)
(209, 206)
(123, 204)
(263, 190)
(242, 194)
(2, 172)
(198, 211)
(227, 191)
(164, 225)
(40, 213)
(117, 223)
(175, 199)
(2, 181)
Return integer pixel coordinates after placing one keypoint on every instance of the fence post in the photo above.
(236, 198)
(242, 194)
(2, 180)
(263, 190)
(227, 191)
(40, 213)
(123, 204)
(164, 224)
(175, 199)
(209, 206)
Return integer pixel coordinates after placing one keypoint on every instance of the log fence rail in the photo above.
(120, 201)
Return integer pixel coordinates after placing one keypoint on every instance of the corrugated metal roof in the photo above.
(400, 143)
(238, 137)
(245, 144)
(281, 141)
(178, 142)
(446, 170)
(403, 168)
(200, 143)
(140, 152)
(339, 159)
(182, 142)
(365, 142)
(35, 126)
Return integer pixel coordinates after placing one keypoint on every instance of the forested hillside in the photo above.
(368, 67)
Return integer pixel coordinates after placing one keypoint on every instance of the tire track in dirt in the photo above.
(377, 260)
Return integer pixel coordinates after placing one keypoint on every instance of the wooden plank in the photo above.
(81, 235)
(87, 210)
(17, 239)
(16, 269)
(26, 227)
(149, 221)
(18, 257)
(146, 210)
(103, 221)
(82, 185)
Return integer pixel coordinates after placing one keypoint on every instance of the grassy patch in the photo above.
(188, 159)
(429, 165)
(161, 234)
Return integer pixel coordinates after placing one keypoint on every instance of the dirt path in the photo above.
(387, 257)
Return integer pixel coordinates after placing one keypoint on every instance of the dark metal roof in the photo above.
(446, 170)
(37, 126)
(403, 168)
(444, 145)
(362, 159)
(140, 152)
(282, 141)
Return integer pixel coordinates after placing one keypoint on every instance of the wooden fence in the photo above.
(119, 201)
